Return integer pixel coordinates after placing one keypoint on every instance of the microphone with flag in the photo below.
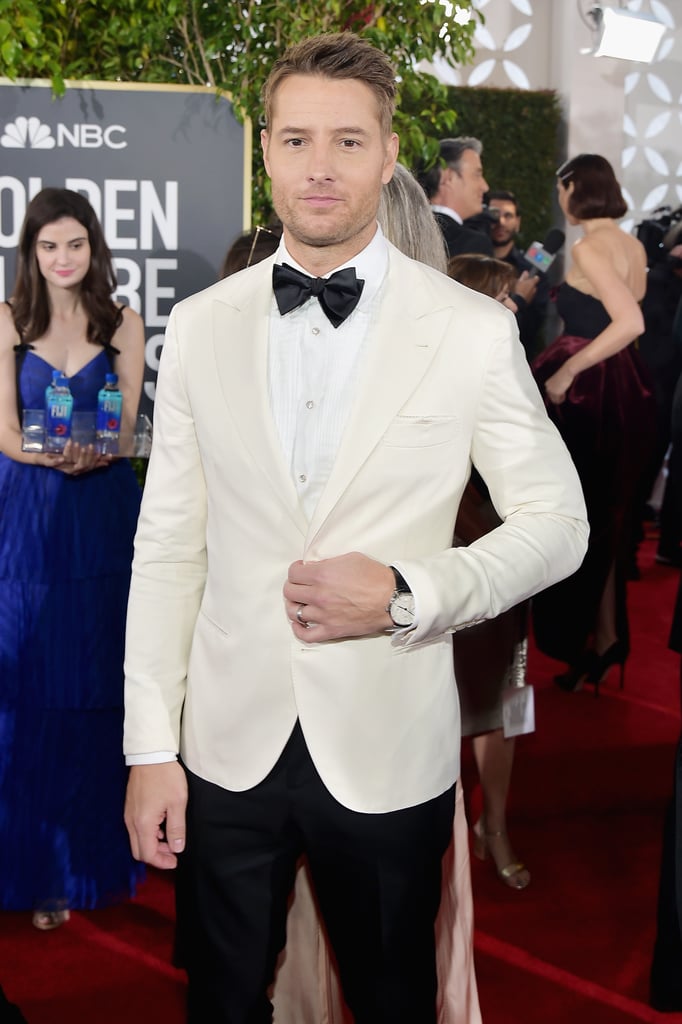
(541, 255)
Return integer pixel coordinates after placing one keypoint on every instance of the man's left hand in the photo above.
(338, 597)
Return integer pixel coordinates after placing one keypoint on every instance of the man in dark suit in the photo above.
(455, 188)
(531, 294)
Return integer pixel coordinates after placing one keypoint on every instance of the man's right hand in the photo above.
(155, 812)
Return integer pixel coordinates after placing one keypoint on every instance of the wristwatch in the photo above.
(401, 605)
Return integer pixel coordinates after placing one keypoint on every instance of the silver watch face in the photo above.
(401, 609)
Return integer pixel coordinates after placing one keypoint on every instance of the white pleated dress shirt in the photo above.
(313, 368)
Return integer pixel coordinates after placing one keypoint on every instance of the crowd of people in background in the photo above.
(69, 520)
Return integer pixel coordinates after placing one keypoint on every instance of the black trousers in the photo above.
(377, 879)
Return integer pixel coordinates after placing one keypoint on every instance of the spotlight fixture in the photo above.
(624, 34)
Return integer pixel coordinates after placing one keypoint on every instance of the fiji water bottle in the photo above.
(109, 408)
(52, 385)
(58, 412)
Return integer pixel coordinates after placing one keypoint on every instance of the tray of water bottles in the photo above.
(51, 428)
(136, 444)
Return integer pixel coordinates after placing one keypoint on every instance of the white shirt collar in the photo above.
(447, 211)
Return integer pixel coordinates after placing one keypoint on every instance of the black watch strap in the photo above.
(401, 584)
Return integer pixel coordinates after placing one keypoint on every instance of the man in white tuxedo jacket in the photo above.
(294, 589)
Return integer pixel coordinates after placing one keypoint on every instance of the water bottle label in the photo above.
(60, 412)
(58, 426)
(109, 415)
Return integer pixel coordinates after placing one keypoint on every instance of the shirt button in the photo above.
(316, 330)
(310, 405)
(302, 478)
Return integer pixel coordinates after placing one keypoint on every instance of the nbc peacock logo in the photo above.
(27, 133)
(32, 133)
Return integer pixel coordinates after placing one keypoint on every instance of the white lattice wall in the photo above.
(629, 112)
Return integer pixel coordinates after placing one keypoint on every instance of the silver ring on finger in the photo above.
(303, 622)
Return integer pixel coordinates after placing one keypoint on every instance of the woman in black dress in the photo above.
(596, 393)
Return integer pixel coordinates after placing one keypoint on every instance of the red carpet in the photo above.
(588, 796)
(589, 791)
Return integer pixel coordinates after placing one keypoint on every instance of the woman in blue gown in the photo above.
(596, 392)
(66, 532)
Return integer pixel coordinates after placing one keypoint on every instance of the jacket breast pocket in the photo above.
(421, 431)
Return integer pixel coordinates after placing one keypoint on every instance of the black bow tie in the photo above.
(339, 294)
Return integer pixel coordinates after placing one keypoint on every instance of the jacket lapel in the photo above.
(240, 336)
(408, 334)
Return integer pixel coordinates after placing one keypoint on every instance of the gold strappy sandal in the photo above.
(516, 875)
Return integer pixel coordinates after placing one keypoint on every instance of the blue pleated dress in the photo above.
(65, 553)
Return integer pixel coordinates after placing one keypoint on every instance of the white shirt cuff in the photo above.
(154, 757)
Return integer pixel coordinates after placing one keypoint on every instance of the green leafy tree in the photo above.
(230, 47)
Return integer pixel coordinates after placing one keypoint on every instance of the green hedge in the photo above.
(521, 132)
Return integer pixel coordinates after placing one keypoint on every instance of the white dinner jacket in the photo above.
(212, 667)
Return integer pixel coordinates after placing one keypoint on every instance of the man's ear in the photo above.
(444, 179)
(264, 139)
(392, 150)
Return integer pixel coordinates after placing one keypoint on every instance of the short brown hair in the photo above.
(482, 273)
(596, 192)
(503, 195)
(336, 55)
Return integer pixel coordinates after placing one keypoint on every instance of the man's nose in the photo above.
(320, 164)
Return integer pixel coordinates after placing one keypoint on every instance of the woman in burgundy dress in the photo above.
(596, 393)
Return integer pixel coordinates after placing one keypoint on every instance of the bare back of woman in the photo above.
(597, 393)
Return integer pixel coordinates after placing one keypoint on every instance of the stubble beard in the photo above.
(306, 232)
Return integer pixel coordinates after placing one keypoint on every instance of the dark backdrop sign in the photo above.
(165, 168)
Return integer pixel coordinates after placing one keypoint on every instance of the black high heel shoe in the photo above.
(575, 675)
(600, 665)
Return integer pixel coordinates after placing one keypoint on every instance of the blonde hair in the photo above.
(407, 220)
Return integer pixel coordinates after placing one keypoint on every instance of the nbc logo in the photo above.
(27, 133)
(31, 133)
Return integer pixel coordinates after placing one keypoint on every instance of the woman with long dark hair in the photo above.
(67, 524)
